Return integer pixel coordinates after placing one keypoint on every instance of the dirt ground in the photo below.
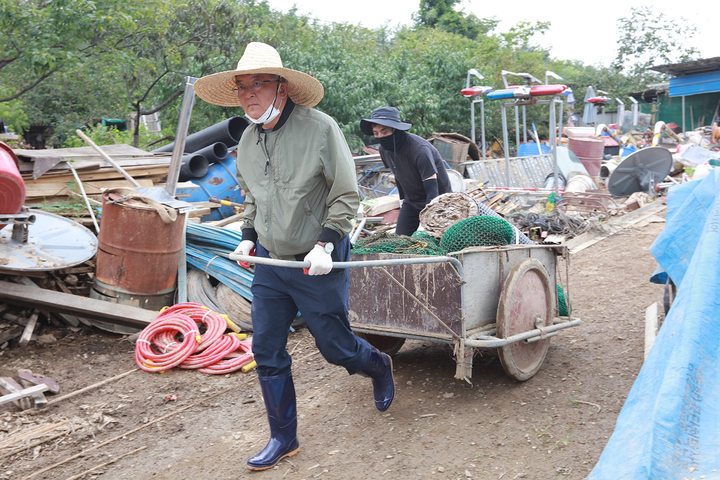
(187, 425)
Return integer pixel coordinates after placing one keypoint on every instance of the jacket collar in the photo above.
(289, 107)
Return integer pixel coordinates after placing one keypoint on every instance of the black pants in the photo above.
(408, 220)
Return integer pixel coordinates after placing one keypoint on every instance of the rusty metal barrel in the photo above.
(137, 257)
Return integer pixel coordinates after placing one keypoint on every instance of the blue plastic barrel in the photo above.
(627, 151)
(528, 149)
(221, 182)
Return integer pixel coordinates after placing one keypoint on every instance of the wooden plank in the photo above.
(588, 239)
(200, 212)
(29, 328)
(37, 379)
(113, 313)
(117, 149)
(10, 386)
(10, 334)
(228, 220)
(70, 319)
(99, 174)
(98, 162)
(39, 190)
(22, 394)
(39, 399)
(205, 205)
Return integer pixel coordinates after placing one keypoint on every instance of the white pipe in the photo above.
(85, 197)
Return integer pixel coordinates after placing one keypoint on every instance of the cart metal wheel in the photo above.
(384, 343)
(526, 302)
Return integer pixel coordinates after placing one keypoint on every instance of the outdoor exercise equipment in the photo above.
(475, 94)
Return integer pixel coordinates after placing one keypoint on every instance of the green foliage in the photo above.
(72, 208)
(111, 136)
(69, 63)
(440, 14)
(14, 116)
(521, 33)
(649, 38)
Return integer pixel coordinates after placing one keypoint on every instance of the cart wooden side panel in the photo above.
(378, 304)
(378, 301)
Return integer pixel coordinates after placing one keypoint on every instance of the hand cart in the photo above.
(482, 297)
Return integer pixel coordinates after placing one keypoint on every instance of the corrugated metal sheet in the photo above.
(689, 68)
(695, 84)
(524, 171)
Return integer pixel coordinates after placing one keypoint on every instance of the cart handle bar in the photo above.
(359, 264)
(530, 335)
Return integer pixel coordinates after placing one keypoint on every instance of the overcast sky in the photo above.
(569, 37)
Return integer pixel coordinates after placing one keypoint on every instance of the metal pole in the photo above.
(482, 123)
(107, 158)
(525, 125)
(505, 147)
(183, 123)
(517, 127)
(553, 149)
(559, 121)
(472, 120)
(683, 114)
(356, 264)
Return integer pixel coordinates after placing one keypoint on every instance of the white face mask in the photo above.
(270, 114)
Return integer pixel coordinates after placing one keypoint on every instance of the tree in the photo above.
(649, 38)
(44, 38)
(440, 14)
(194, 40)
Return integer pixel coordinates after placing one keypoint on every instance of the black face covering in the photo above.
(393, 142)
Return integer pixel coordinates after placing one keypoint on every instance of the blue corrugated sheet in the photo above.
(695, 84)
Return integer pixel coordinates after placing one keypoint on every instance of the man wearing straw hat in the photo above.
(419, 170)
(300, 197)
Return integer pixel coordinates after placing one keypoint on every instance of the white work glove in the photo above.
(320, 261)
(246, 247)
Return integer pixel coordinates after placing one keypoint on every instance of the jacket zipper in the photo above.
(271, 184)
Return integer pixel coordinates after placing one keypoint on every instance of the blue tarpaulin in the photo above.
(669, 427)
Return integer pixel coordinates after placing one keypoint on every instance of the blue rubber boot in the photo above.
(379, 369)
(279, 395)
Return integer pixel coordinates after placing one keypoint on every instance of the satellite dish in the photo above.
(53, 243)
(640, 171)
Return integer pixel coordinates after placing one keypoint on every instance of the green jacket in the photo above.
(297, 180)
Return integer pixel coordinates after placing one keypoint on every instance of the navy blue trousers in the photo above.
(280, 292)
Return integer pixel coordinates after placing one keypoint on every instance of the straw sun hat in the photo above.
(258, 58)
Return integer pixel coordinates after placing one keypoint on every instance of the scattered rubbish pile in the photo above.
(547, 195)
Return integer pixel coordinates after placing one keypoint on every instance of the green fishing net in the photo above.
(426, 237)
(477, 231)
(564, 307)
(383, 242)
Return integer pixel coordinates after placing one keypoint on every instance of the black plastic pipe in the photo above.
(193, 166)
(214, 153)
(228, 132)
